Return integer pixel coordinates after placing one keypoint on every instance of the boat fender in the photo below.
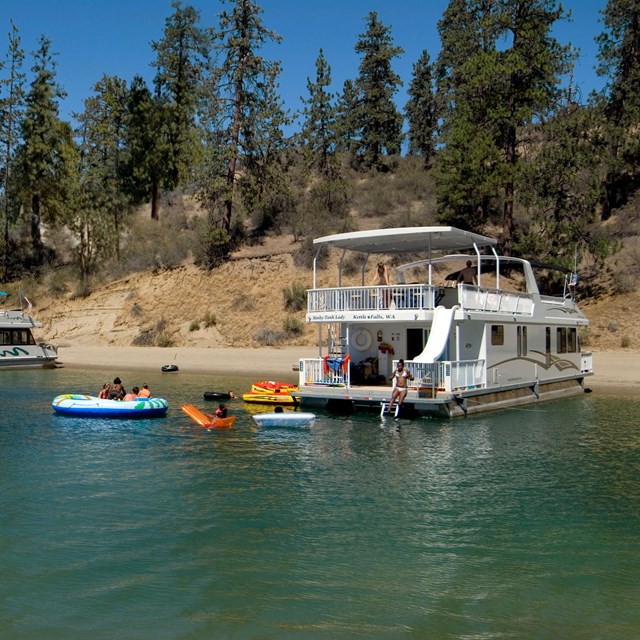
(361, 340)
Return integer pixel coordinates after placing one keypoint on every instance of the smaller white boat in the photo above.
(288, 419)
(77, 404)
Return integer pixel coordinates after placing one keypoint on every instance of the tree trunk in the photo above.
(155, 200)
(36, 235)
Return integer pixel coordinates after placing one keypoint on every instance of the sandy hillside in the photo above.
(243, 301)
(240, 300)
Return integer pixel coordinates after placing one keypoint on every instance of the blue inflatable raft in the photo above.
(76, 404)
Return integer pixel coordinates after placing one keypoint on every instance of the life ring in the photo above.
(361, 340)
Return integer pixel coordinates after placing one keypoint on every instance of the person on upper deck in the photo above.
(468, 275)
(381, 279)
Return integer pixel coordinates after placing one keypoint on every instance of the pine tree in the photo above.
(182, 57)
(465, 170)
(327, 195)
(147, 147)
(619, 55)
(98, 218)
(12, 102)
(490, 99)
(378, 121)
(420, 111)
(244, 119)
(46, 162)
(562, 190)
(346, 118)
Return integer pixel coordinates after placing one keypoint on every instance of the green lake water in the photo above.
(523, 523)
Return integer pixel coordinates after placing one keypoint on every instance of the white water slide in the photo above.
(439, 335)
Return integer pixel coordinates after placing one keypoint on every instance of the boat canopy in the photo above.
(407, 240)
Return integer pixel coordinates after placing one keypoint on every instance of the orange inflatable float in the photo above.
(206, 421)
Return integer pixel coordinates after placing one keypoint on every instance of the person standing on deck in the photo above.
(468, 275)
(381, 279)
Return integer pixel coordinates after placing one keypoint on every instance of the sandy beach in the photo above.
(616, 372)
(266, 362)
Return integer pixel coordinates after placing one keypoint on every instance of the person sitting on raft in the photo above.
(116, 390)
(104, 392)
(133, 395)
(221, 411)
(144, 392)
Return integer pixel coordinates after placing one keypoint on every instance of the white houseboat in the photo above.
(18, 348)
(470, 347)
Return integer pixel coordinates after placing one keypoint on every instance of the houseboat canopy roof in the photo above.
(407, 240)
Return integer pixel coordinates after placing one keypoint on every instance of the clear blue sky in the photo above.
(94, 37)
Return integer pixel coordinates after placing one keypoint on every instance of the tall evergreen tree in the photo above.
(45, 171)
(147, 147)
(12, 102)
(182, 57)
(495, 95)
(562, 193)
(421, 111)
(346, 118)
(378, 119)
(317, 133)
(465, 170)
(98, 218)
(619, 55)
(244, 118)
(327, 195)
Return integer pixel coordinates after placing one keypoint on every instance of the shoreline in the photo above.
(264, 362)
(617, 373)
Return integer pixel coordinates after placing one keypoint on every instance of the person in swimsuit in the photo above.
(381, 279)
(400, 377)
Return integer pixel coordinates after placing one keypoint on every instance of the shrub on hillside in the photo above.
(292, 326)
(295, 297)
(268, 337)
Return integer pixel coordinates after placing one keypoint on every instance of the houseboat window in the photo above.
(547, 345)
(561, 340)
(21, 336)
(5, 336)
(497, 334)
(522, 347)
(567, 340)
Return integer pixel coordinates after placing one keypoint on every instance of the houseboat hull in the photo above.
(443, 405)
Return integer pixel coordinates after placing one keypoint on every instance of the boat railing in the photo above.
(447, 375)
(329, 371)
(416, 297)
(373, 298)
(472, 298)
(429, 378)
